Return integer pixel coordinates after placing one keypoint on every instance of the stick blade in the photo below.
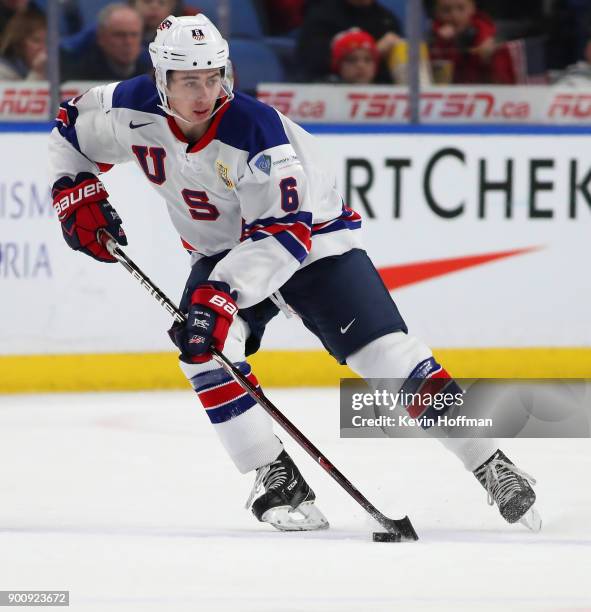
(402, 527)
(386, 536)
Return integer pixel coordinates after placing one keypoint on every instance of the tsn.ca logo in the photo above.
(19, 102)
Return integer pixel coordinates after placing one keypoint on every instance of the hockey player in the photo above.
(253, 202)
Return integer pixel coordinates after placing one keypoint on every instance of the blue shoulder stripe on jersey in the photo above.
(251, 125)
(138, 94)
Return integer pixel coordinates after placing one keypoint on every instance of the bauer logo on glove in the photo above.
(82, 208)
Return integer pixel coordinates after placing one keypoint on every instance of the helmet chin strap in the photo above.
(170, 112)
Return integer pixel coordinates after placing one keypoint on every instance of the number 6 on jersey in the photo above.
(290, 200)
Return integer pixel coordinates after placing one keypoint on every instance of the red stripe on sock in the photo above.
(224, 393)
(434, 384)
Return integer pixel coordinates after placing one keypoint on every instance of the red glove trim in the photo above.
(219, 301)
(67, 201)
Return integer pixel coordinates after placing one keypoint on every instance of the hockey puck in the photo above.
(386, 536)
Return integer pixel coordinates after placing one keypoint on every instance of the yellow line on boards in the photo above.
(135, 371)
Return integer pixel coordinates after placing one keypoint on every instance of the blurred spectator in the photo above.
(567, 30)
(325, 18)
(463, 38)
(505, 9)
(115, 55)
(23, 47)
(9, 8)
(154, 12)
(284, 15)
(355, 57)
(579, 73)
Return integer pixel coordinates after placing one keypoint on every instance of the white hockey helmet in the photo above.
(190, 43)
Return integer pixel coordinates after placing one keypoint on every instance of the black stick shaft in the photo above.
(401, 526)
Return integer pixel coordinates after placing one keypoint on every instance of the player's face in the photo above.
(358, 67)
(193, 93)
(457, 13)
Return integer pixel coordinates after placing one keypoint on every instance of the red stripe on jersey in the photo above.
(303, 234)
(347, 214)
(300, 231)
(224, 393)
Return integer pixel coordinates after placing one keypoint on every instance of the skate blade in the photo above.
(532, 520)
(306, 517)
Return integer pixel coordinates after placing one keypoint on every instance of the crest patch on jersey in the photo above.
(263, 163)
(198, 34)
(224, 174)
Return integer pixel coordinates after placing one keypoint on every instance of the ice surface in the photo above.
(129, 502)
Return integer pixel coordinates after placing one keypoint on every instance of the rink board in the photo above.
(481, 235)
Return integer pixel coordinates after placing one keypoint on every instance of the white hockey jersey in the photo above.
(255, 183)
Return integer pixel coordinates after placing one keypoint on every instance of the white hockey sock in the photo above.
(396, 355)
(472, 452)
(244, 428)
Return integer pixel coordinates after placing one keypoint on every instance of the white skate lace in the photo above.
(501, 481)
(270, 477)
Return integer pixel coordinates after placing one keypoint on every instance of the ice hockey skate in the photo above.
(288, 501)
(510, 488)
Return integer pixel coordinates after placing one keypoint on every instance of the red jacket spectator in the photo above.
(325, 18)
(355, 56)
(471, 51)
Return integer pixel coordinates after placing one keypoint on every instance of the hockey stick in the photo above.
(401, 528)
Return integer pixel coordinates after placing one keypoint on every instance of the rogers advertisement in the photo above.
(459, 104)
(30, 101)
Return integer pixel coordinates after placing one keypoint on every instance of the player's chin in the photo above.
(199, 116)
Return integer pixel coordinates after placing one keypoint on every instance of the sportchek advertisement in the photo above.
(483, 241)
